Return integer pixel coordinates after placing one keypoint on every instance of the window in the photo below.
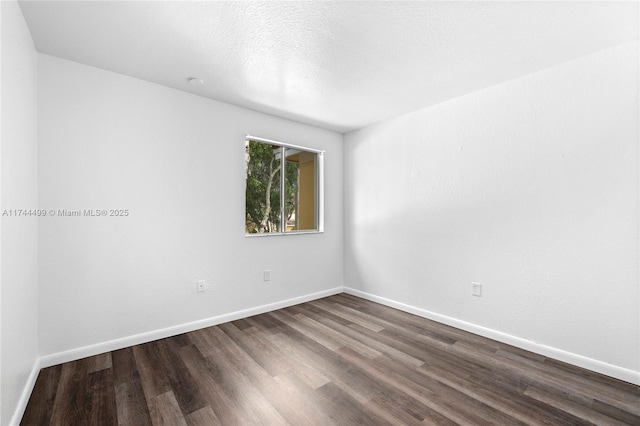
(283, 188)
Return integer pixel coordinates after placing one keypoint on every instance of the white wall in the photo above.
(176, 161)
(530, 188)
(18, 190)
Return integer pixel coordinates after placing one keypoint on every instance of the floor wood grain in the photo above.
(339, 360)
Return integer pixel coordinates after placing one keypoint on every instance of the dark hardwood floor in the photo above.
(338, 360)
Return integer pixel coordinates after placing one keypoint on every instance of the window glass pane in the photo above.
(262, 190)
(283, 188)
(300, 190)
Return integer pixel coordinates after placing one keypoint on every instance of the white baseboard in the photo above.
(581, 361)
(58, 358)
(124, 342)
(26, 394)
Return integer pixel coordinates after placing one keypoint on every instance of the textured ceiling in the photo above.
(338, 65)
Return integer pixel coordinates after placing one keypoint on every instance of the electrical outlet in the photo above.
(200, 286)
(267, 275)
(476, 289)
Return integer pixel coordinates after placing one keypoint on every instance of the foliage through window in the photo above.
(283, 190)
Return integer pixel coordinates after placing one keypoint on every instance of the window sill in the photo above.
(280, 234)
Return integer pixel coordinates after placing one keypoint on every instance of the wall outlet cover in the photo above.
(476, 289)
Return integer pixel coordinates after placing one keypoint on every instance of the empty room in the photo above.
(319, 213)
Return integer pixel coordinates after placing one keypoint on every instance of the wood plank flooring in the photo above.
(338, 360)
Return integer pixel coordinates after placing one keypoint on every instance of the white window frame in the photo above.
(319, 187)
